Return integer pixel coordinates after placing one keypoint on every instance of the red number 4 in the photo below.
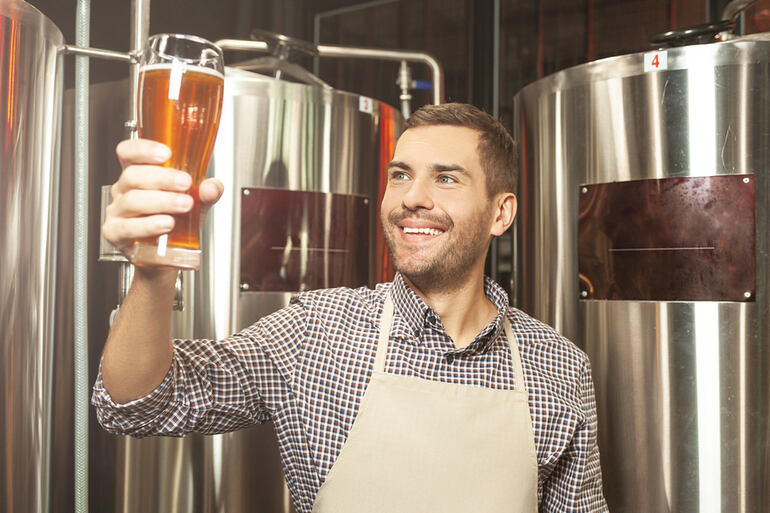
(655, 61)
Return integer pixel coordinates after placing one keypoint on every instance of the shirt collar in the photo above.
(410, 310)
(412, 315)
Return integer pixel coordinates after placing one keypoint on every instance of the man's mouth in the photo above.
(421, 231)
(417, 228)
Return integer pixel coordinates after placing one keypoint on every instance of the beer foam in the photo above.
(187, 67)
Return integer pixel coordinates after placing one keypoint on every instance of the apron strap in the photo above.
(518, 372)
(386, 319)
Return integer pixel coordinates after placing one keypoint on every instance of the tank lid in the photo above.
(752, 49)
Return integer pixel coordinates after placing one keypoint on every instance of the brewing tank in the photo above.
(30, 96)
(303, 169)
(642, 235)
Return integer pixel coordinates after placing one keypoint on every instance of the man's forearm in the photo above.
(138, 352)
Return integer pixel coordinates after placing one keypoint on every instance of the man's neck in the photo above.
(463, 307)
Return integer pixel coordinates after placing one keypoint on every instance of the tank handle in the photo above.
(698, 34)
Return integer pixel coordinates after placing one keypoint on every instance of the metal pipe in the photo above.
(405, 83)
(734, 8)
(241, 44)
(98, 53)
(349, 52)
(140, 31)
(496, 59)
(345, 52)
(336, 12)
(80, 286)
(494, 250)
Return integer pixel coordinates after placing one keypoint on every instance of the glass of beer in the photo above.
(181, 81)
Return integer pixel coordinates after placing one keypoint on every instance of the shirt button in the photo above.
(416, 333)
(449, 358)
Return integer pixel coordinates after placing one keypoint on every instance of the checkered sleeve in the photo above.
(576, 482)
(214, 386)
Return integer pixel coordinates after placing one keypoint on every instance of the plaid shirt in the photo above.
(306, 368)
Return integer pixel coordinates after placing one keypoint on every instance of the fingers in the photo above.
(139, 213)
(122, 231)
(210, 191)
(138, 202)
(151, 178)
(147, 194)
(142, 151)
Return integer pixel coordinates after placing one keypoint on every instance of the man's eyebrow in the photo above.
(436, 168)
(442, 168)
(400, 165)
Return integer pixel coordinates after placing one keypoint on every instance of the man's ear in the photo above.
(505, 212)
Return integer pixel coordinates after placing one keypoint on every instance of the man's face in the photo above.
(436, 212)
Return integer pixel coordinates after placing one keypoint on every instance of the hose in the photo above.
(80, 300)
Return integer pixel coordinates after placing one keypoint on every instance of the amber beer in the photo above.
(180, 106)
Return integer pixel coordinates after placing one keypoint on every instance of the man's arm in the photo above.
(138, 352)
(576, 482)
(215, 386)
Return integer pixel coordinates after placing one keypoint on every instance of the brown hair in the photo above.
(497, 150)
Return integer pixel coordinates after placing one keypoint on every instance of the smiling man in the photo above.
(427, 394)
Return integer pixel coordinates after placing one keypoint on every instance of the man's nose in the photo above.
(418, 196)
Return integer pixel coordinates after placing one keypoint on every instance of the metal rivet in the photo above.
(746, 180)
(584, 190)
(584, 293)
(747, 295)
(244, 286)
(246, 192)
(366, 201)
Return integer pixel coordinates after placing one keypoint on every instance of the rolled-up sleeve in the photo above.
(575, 485)
(214, 386)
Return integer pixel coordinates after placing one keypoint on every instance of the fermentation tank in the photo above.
(643, 236)
(30, 96)
(302, 167)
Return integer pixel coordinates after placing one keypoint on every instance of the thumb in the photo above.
(209, 193)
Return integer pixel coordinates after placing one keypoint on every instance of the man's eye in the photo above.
(446, 179)
(399, 175)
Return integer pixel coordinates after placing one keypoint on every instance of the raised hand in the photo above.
(147, 194)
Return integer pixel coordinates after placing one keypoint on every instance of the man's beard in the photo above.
(446, 265)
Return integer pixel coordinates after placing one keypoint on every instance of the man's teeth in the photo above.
(425, 231)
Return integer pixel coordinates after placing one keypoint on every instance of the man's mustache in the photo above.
(442, 221)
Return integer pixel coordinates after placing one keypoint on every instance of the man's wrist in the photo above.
(156, 275)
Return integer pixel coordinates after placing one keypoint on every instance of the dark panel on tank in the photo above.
(303, 240)
(670, 239)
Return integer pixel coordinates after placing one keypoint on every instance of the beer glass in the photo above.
(181, 81)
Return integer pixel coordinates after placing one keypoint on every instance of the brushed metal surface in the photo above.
(273, 134)
(682, 387)
(30, 99)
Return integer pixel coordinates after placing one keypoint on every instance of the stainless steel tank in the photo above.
(643, 236)
(30, 96)
(302, 167)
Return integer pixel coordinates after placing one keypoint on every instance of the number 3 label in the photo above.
(655, 61)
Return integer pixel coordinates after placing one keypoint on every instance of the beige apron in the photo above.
(425, 446)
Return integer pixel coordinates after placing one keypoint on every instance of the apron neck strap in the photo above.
(386, 320)
(518, 372)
